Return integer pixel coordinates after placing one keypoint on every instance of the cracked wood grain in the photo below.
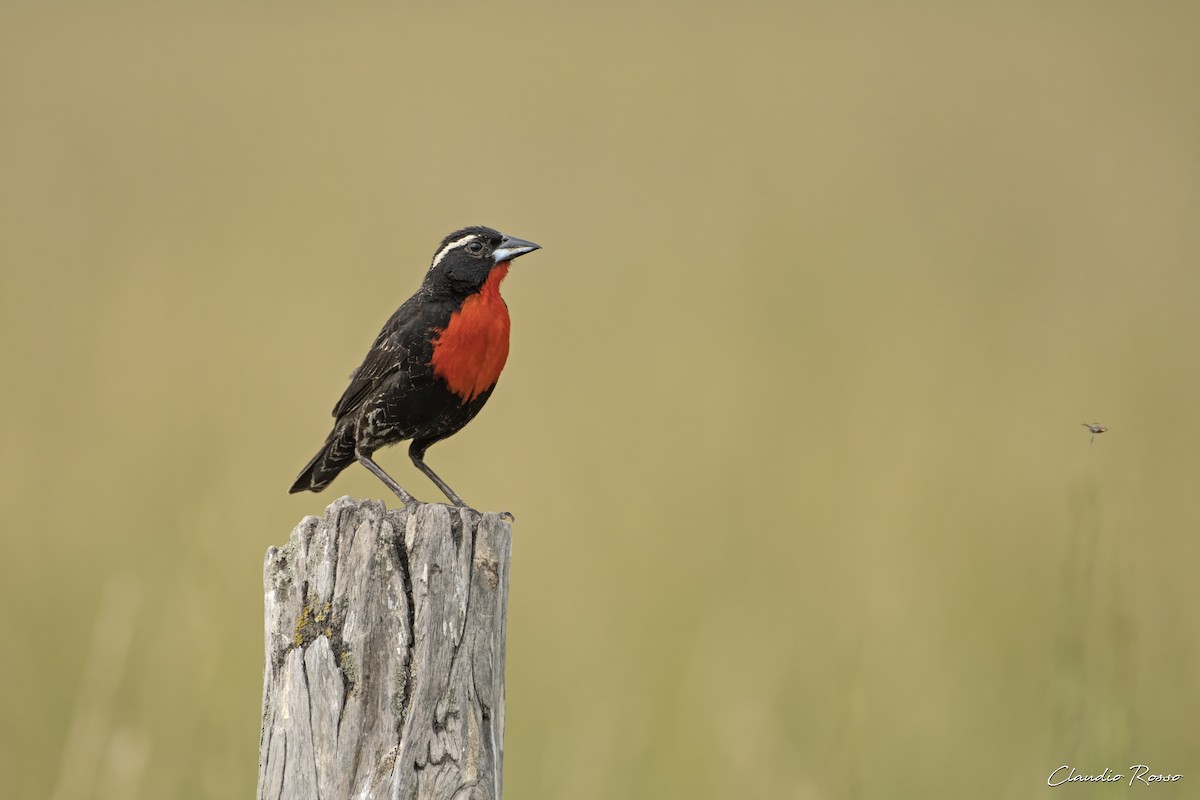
(384, 670)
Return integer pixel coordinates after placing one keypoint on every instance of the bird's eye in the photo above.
(475, 248)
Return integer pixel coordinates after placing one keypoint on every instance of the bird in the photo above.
(432, 367)
(1094, 427)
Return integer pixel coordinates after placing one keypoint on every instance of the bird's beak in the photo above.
(511, 247)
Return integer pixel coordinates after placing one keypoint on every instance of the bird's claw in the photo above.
(478, 515)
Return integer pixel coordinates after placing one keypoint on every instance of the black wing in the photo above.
(390, 355)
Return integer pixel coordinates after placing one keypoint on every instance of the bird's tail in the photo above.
(334, 456)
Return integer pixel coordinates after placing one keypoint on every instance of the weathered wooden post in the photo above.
(385, 655)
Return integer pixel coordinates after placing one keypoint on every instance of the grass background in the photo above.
(791, 424)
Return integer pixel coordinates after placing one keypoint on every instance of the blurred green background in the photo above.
(791, 424)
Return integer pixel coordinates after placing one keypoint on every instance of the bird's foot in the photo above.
(478, 515)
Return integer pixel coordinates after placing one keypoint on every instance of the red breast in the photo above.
(470, 352)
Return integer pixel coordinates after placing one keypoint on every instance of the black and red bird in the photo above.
(432, 367)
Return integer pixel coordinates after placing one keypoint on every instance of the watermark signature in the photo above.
(1138, 773)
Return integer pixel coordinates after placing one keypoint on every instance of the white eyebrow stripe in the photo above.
(456, 243)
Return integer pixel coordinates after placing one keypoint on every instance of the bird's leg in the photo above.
(416, 452)
(408, 500)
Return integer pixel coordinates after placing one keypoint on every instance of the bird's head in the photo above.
(467, 257)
